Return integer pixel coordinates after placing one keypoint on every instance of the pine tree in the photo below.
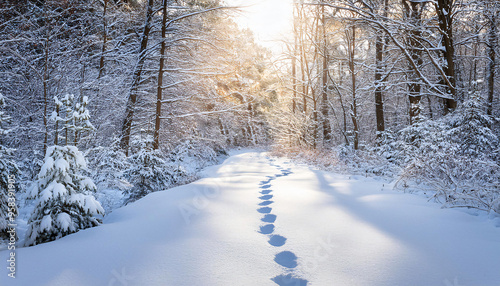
(81, 118)
(65, 202)
(64, 196)
(148, 172)
(471, 129)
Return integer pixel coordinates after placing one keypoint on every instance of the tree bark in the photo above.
(104, 39)
(46, 80)
(354, 107)
(294, 59)
(445, 23)
(159, 92)
(379, 70)
(413, 14)
(132, 98)
(492, 46)
(327, 129)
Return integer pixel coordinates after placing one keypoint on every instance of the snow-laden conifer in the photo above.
(65, 201)
(64, 197)
(148, 171)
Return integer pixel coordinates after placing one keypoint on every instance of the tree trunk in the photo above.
(56, 129)
(104, 39)
(327, 129)
(413, 15)
(341, 101)
(46, 81)
(354, 115)
(380, 42)
(492, 46)
(444, 13)
(132, 98)
(159, 90)
(303, 62)
(294, 60)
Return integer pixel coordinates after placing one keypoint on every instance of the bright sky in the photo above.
(270, 20)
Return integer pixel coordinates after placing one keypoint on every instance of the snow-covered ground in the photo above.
(255, 220)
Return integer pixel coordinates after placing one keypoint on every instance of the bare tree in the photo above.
(132, 97)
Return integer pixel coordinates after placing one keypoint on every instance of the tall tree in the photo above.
(445, 12)
(492, 50)
(413, 16)
(136, 80)
(380, 46)
(159, 88)
(327, 129)
(104, 38)
(351, 50)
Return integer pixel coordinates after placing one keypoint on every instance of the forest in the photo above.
(106, 101)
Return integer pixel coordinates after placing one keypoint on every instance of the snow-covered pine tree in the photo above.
(471, 129)
(81, 118)
(74, 121)
(64, 196)
(148, 172)
(68, 120)
(108, 164)
(65, 203)
(8, 179)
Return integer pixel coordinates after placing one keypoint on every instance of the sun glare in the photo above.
(270, 20)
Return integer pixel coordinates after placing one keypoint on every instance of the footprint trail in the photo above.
(287, 259)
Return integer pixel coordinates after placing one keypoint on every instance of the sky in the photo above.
(270, 20)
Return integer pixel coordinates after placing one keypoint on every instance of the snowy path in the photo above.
(258, 221)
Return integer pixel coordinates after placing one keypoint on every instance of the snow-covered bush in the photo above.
(151, 170)
(470, 128)
(456, 156)
(194, 155)
(107, 165)
(147, 172)
(322, 158)
(64, 197)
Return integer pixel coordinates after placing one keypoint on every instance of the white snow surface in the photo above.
(343, 231)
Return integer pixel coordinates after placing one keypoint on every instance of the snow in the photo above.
(46, 195)
(87, 184)
(64, 221)
(92, 206)
(256, 220)
(46, 223)
(58, 189)
(47, 165)
(79, 159)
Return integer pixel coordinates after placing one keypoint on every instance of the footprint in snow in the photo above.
(266, 197)
(265, 186)
(267, 229)
(265, 192)
(269, 218)
(264, 210)
(277, 240)
(285, 172)
(286, 259)
(289, 280)
(266, 203)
